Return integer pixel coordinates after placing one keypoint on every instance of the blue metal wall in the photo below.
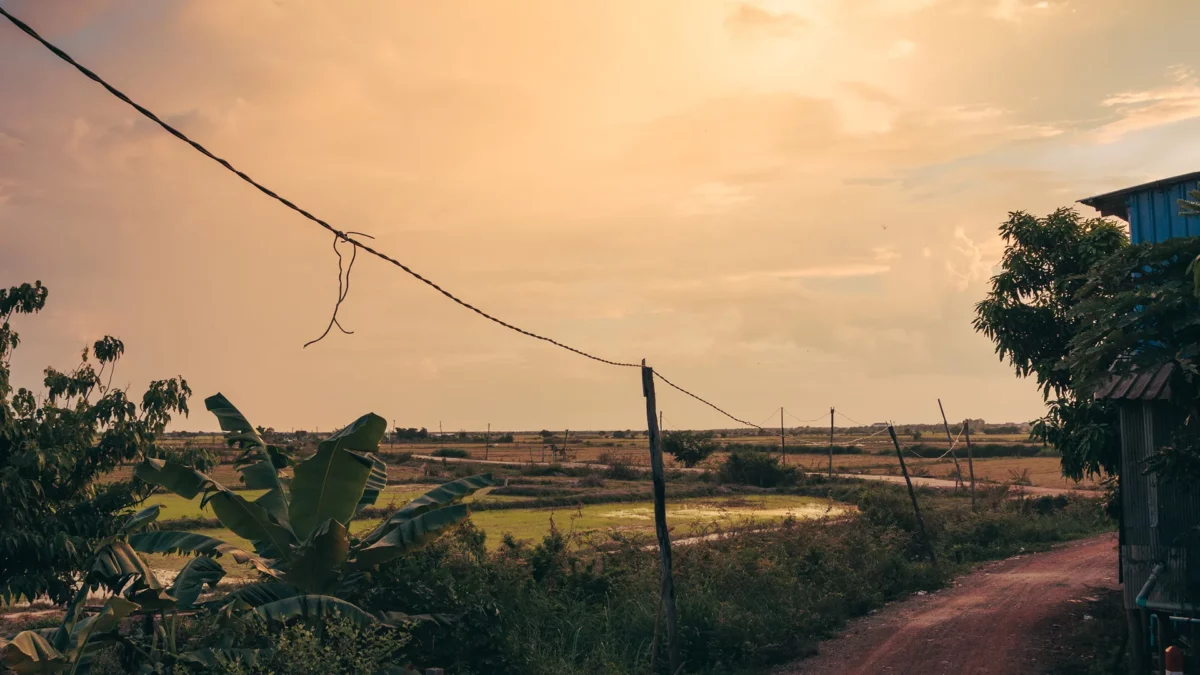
(1154, 214)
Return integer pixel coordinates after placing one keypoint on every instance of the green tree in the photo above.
(1139, 310)
(56, 448)
(688, 447)
(1030, 314)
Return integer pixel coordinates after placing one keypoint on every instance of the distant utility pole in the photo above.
(487, 441)
(393, 443)
(439, 431)
(957, 469)
(782, 438)
(831, 442)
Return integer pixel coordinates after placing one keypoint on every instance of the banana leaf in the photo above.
(410, 535)
(376, 483)
(317, 564)
(178, 478)
(250, 521)
(327, 486)
(192, 579)
(30, 653)
(313, 607)
(440, 496)
(140, 519)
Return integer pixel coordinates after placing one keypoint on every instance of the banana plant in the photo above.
(117, 569)
(300, 527)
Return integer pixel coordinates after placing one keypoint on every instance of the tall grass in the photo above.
(745, 602)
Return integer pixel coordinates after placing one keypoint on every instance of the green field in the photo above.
(687, 517)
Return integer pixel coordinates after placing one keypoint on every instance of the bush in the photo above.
(747, 467)
(456, 453)
(689, 447)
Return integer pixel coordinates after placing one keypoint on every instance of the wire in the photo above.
(344, 236)
(343, 289)
(675, 386)
(850, 418)
(772, 415)
(819, 417)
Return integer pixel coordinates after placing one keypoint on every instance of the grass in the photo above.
(685, 516)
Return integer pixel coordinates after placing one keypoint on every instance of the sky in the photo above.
(774, 202)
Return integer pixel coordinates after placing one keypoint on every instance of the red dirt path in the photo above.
(987, 623)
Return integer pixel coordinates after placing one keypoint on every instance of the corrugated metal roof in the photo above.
(1140, 385)
(1116, 203)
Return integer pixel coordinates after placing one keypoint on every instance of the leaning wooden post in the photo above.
(831, 442)
(970, 460)
(660, 518)
(957, 469)
(912, 494)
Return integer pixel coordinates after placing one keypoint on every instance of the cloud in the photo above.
(1016, 10)
(901, 49)
(712, 198)
(749, 19)
(976, 259)
(1176, 101)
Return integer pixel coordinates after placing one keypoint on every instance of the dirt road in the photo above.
(918, 481)
(989, 622)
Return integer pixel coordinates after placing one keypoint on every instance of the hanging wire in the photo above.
(714, 407)
(850, 418)
(343, 289)
(819, 417)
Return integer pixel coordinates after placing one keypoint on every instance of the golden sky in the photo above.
(775, 202)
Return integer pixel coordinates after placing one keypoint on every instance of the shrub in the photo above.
(621, 468)
(748, 467)
(689, 447)
(591, 481)
(455, 453)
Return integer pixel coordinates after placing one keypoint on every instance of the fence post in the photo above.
(487, 442)
(912, 494)
(831, 442)
(957, 469)
(660, 518)
(782, 438)
(970, 460)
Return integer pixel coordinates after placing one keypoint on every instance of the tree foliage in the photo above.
(1139, 310)
(1031, 316)
(689, 447)
(54, 448)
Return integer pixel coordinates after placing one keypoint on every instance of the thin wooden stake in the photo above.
(957, 469)
(912, 494)
(660, 518)
(487, 441)
(970, 459)
(782, 438)
(831, 442)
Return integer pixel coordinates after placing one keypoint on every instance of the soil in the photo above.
(991, 621)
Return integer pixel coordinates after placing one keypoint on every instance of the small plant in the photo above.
(1019, 477)
(620, 468)
(453, 453)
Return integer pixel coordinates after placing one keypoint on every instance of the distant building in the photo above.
(1159, 550)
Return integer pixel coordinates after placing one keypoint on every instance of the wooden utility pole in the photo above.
(912, 494)
(660, 519)
(487, 441)
(970, 460)
(566, 435)
(782, 438)
(957, 469)
(831, 442)
(393, 444)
